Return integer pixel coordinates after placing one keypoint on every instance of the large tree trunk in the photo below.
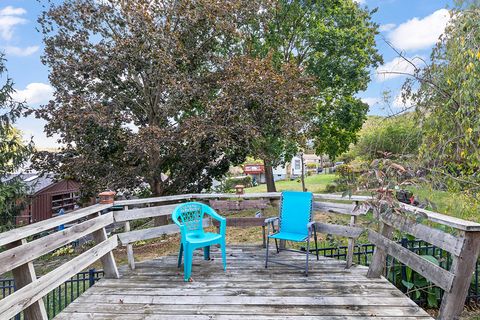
(269, 177)
(157, 191)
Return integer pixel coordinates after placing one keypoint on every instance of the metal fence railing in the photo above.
(57, 299)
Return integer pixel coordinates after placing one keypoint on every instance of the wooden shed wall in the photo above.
(41, 203)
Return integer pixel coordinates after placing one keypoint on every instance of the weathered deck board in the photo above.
(155, 290)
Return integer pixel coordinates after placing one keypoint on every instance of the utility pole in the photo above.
(303, 172)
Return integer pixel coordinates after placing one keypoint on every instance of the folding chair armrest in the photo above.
(271, 220)
(311, 225)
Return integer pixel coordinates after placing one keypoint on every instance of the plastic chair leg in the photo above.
(224, 254)
(206, 253)
(187, 264)
(180, 254)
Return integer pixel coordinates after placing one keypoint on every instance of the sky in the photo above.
(410, 26)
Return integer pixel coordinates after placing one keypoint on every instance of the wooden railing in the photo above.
(464, 247)
(20, 253)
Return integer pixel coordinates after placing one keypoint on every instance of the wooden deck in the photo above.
(155, 290)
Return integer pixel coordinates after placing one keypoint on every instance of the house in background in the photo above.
(296, 164)
(280, 172)
(46, 197)
(256, 171)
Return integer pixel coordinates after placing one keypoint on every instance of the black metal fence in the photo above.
(57, 299)
(402, 276)
(396, 272)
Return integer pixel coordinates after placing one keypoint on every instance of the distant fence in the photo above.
(59, 298)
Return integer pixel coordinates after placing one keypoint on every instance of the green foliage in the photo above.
(64, 251)
(13, 152)
(228, 185)
(334, 44)
(163, 89)
(311, 165)
(448, 99)
(395, 136)
(417, 287)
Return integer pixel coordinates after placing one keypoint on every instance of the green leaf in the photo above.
(408, 285)
(432, 259)
(432, 300)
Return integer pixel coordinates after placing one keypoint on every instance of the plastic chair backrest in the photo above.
(295, 211)
(190, 214)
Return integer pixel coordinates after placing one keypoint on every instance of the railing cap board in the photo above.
(30, 251)
(449, 221)
(141, 213)
(32, 229)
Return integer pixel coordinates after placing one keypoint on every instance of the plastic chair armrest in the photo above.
(223, 222)
(183, 229)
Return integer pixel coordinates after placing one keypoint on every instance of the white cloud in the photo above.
(421, 33)
(35, 93)
(9, 18)
(398, 102)
(360, 1)
(371, 101)
(21, 52)
(398, 67)
(11, 11)
(387, 27)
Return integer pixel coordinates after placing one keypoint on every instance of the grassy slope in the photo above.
(315, 183)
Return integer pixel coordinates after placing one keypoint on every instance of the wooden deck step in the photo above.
(156, 290)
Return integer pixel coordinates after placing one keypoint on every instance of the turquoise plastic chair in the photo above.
(189, 217)
(295, 224)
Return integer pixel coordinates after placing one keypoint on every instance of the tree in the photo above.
(445, 94)
(333, 42)
(395, 136)
(136, 89)
(13, 152)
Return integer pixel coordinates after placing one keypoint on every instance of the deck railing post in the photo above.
(24, 275)
(351, 243)
(108, 261)
(130, 257)
(462, 267)
(377, 266)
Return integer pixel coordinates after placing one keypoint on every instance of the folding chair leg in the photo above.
(180, 254)
(308, 252)
(315, 236)
(266, 255)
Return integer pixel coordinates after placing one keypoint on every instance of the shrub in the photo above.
(229, 184)
(331, 188)
(397, 136)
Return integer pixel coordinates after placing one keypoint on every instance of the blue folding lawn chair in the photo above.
(189, 217)
(295, 224)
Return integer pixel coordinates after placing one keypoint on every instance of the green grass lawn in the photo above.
(450, 203)
(315, 183)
